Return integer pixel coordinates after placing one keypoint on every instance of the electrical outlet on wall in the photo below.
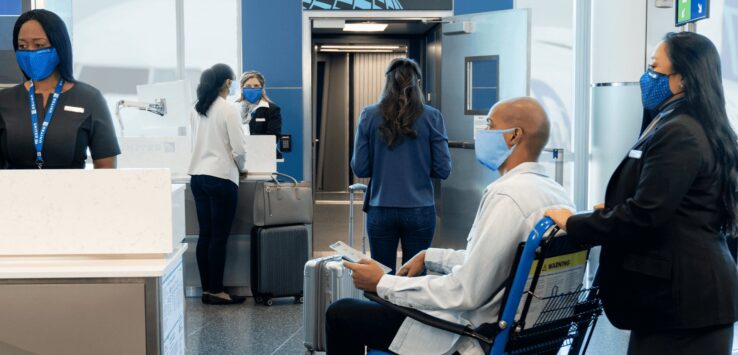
(665, 3)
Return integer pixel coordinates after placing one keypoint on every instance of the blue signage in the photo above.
(691, 10)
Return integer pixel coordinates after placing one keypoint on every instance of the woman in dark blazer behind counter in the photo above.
(259, 114)
(71, 116)
(665, 269)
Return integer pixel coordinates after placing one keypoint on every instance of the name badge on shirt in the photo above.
(635, 154)
(74, 109)
(262, 119)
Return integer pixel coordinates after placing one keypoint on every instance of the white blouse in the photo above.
(218, 142)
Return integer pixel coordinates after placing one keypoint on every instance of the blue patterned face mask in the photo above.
(491, 149)
(654, 89)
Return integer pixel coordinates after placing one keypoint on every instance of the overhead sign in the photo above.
(691, 10)
(377, 5)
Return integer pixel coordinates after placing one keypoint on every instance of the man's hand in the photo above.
(414, 266)
(366, 274)
(599, 206)
(560, 216)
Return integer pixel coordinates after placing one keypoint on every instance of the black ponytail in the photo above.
(211, 82)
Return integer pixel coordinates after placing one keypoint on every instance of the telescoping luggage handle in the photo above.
(352, 189)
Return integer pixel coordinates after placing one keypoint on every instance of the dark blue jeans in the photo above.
(353, 324)
(388, 226)
(215, 200)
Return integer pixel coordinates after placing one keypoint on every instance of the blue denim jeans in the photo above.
(388, 226)
(215, 201)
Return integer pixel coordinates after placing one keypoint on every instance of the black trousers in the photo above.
(716, 340)
(215, 201)
(352, 325)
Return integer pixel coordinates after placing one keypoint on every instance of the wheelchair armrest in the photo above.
(430, 320)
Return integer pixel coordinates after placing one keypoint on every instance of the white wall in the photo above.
(618, 40)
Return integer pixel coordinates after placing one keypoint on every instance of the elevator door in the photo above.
(485, 59)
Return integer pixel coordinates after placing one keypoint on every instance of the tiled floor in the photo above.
(244, 329)
(256, 329)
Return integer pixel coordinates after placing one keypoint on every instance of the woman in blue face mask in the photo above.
(259, 114)
(665, 270)
(51, 120)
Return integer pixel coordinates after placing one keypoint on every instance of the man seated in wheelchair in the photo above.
(463, 280)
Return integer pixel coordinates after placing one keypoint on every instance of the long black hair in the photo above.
(56, 32)
(211, 82)
(402, 101)
(696, 59)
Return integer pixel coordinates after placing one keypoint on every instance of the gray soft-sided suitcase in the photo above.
(278, 255)
(326, 281)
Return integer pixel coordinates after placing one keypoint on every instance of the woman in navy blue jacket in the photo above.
(401, 144)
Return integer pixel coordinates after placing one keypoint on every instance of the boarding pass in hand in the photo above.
(352, 254)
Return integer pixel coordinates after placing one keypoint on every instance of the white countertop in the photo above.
(89, 266)
(86, 212)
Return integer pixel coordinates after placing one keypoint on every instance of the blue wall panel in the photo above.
(10, 7)
(463, 7)
(6, 31)
(272, 44)
(272, 40)
(290, 100)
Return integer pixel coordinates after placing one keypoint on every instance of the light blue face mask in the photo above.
(252, 95)
(491, 149)
(38, 64)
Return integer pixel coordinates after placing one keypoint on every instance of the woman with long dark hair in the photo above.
(81, 118)
(401, 144)
(218, 159)
(665, 270)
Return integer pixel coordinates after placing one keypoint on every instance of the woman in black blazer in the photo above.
(665, 269)
(259, 114)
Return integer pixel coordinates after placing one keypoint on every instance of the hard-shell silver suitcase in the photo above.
(326, 281)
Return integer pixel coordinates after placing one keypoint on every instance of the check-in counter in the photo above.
(91, 262)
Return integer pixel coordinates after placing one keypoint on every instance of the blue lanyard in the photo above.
(38, 137)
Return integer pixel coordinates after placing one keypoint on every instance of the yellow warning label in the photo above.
(561, 262)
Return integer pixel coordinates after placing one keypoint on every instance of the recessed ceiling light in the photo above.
(349, 46)
(364, 27)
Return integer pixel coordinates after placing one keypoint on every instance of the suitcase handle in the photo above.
(275, 177)
(352, 189)
(357, 187)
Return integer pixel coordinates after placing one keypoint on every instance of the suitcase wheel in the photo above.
(268, 302)
(258, 300)
(299, 299)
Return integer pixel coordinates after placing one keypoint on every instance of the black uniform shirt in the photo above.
(81, 121)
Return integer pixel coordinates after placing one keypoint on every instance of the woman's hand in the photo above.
(559, 215)
(599, 206)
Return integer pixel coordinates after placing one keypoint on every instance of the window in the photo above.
(482, 84)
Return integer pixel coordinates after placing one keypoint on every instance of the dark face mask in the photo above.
(654, 89)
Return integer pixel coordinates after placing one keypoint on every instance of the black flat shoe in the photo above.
(212, 299)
